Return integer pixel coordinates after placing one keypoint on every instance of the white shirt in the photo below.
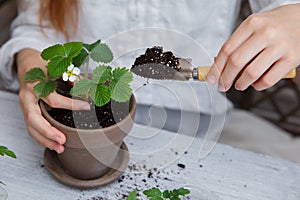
(191, 28)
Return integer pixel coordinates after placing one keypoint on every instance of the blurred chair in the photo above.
(279, 104)
(8, 11)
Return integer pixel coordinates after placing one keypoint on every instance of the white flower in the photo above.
(71, 74)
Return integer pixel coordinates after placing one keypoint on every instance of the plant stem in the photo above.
(87, 67)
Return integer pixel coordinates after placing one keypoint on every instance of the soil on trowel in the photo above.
(157, 64)
(156, 55)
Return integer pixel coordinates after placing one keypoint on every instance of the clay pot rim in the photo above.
(84, 131)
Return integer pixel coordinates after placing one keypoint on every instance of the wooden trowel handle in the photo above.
(291, 74)
(203, 71)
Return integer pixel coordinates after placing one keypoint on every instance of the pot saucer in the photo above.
(55, 168)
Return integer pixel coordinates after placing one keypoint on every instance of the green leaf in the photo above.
(120, 92)
(175, 198)
(5, 151)
(166, 194)
(154, 192)
(183, 191)
(102, 53)
(72, 49)
(34, 74)
(10, 153)
(156, 198)
(101, 74)
(57, 66)
(175, 193)
(44, 88)
(132, 195)
(82, 87)
(90, 47)
(100, 94)
(80, 59)
(123, 75)
(2, 149)
(53, 51)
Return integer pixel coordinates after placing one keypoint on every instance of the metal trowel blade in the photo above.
(164, 72)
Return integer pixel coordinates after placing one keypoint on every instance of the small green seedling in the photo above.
(156, 194)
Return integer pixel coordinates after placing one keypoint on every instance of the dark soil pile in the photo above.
(156, 55)
(97, 117)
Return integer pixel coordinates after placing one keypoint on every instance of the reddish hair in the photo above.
(62, 14)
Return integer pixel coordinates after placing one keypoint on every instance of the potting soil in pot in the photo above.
(98, 117)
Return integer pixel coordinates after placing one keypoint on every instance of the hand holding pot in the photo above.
(39, 128)
(260, 52)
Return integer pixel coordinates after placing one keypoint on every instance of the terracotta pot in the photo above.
(89, 153)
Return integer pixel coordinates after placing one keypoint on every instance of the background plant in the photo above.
(156, 194)
(105, 83)
(4, 151)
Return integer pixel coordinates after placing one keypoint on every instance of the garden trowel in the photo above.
(184, 72)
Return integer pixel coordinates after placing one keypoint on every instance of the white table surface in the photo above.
(226, 172)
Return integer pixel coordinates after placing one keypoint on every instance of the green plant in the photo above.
(156, 194)
(64, 60)
(5, 151)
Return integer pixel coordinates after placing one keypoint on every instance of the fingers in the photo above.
(58, 101)
(45, 142)
(260, 52)
(241, 35)
(239, 59)
(257, 68)
(41, 125)
(38, 127)
(275, 73)
(42, 131)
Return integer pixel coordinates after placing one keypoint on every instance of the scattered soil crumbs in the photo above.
(182, 166)
(137, 178)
